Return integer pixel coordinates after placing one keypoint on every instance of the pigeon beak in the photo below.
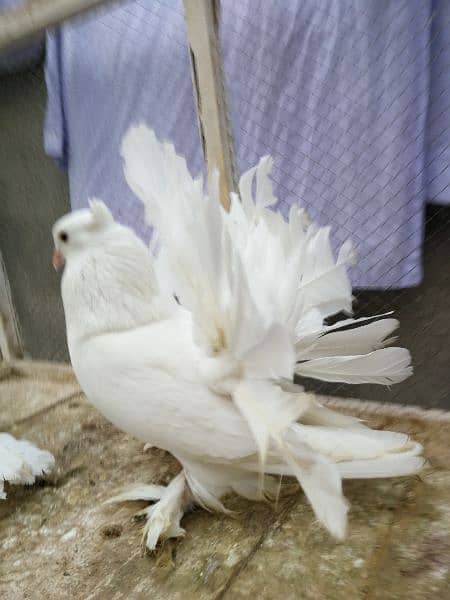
(58, 260)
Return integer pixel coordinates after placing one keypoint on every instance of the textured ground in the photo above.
(58, 540)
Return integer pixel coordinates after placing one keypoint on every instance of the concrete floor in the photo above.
(59, 540)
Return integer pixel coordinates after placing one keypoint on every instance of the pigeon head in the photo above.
(81, 230)
(109, 282)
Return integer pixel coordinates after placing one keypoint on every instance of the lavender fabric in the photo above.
(338, 93)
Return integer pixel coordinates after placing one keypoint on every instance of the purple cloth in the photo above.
(438, 124)
(337, 92)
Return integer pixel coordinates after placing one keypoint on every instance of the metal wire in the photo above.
(330, 164)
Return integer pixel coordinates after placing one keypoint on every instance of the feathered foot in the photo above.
(163, 518)
(21, 462)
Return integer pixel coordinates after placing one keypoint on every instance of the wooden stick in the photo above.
(10, 344)
(207, 78)
(31, 19)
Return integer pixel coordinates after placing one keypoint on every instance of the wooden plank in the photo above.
(202, 21)
(30, 389)
(31, 19)
(10, 344)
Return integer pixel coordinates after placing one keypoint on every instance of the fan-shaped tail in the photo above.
(259, 290)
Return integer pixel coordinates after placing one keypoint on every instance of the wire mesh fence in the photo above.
(352, 100)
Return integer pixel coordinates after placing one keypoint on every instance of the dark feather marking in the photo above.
(350, 326)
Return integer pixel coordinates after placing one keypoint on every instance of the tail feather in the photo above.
(321, 482)
(349, 337)
(352, 443)
(321, 415)
(225, 278)
(385, 366)
(395, 465)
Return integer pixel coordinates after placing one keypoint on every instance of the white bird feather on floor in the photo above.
(21, 462)
(210, 378)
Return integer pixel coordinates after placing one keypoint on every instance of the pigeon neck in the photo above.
(110, 290)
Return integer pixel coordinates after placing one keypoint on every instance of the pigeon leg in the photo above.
(163, 518)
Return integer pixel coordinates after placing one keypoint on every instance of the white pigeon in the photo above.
(21, 462)
(193, 345)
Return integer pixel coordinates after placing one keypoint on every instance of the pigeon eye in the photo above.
(63, 236)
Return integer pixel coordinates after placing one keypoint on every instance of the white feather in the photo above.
(21, 462)
(321, 415)
(12, 466)
(207, 485)
(386, 366)
(148, 492)
(395, 465)
(352, 443)
(268, 410)
(330, 341)
(322, 485)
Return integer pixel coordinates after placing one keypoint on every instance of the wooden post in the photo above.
(31, 19)
(10, 344)
(202, 21)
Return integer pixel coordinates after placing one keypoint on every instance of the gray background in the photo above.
(33, 194)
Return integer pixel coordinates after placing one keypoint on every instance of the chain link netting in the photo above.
(352, 99)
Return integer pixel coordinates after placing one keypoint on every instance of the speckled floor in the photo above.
(58, 539)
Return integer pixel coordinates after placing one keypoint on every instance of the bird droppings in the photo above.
(398, 546)
(111, 531)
